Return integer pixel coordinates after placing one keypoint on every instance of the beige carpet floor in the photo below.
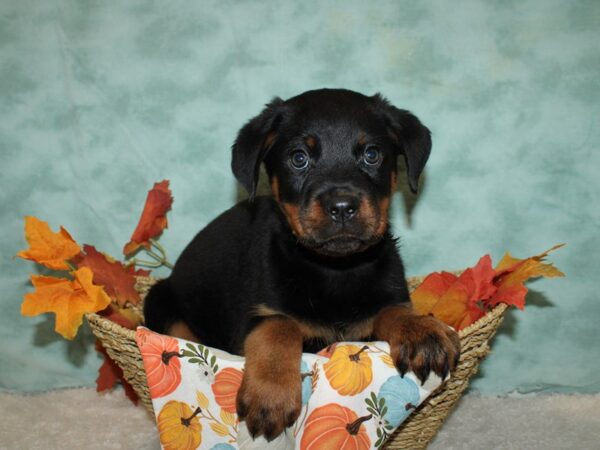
(82, 419)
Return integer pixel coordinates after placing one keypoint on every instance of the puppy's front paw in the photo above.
(422, 344)
(269, 405)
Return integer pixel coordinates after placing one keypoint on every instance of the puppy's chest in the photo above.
(324, 332)
(337, 332)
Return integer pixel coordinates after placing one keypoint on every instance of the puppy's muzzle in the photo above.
(340, 207)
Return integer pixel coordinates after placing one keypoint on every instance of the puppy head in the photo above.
(331, 159)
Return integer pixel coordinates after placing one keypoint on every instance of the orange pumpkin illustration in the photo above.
(161, 359)
(335, 427)
(349, 369)
(179, 426)
(227, 383)
(327, 351)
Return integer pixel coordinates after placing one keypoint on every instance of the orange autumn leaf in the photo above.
(430, 291)
(460, 301)
(511, 273)
(117, 280)
(153, 220)
(453, 306)
(50, 249)
(455, 300)
(69, 300)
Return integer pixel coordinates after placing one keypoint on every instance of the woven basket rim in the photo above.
(491, 315)
(111, 326)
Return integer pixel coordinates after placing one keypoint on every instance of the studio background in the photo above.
(102, 99)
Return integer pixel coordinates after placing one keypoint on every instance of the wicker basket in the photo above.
(415, 433)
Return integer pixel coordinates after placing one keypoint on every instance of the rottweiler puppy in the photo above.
(313, 264)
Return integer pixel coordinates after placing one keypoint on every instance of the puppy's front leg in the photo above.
(270, 397)
(418, 343)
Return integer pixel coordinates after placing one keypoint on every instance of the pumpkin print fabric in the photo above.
(352, 396)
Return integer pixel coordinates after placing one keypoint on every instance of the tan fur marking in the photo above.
(269, 139)
(393, 182)
(182, 331)
(315, 216)
(412, 338)
(352, 332)
(359, 330)
(362, 139)
(275, 188)
(310, 141)
(384, 205)
(292, 214)
(368, 214)
(270, 397)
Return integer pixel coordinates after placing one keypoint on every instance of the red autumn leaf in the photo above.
(153, 220)
(125, 317)
(110, 374)
(483, 276)
(456, 300)
(139, 272)
(118, 281)
(460, 301)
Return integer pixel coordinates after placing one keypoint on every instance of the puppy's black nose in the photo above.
(342, 208)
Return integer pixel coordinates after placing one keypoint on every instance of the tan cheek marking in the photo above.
(367, 213)
(384, 205)
(275, 188)
(394, 182)
(315, 215)
(291, 213)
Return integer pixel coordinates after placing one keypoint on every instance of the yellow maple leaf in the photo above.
(46, 247)
(69, 300)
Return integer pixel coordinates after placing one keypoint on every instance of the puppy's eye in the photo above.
(371, 156)
(299, 159)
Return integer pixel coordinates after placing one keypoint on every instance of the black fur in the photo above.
(331, 272)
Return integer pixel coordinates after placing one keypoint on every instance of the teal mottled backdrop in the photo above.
(101, 99)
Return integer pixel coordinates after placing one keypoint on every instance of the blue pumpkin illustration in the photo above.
(306, 381)
(223, 447)
(401, 397)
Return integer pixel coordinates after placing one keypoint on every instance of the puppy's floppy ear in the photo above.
(254, 141)
(411, 136)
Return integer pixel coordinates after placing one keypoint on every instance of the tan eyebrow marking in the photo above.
(310, 141)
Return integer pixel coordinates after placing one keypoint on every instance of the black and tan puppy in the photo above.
(313, 264)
